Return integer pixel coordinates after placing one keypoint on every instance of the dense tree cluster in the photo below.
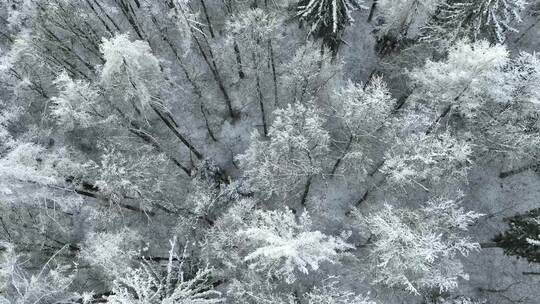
(196, 151)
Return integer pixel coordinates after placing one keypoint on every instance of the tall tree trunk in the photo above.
(7, 37)
(171, 124)
(129, 14)
(438, 120)
(260, 98)
(207, 17)
(216, 76)
(210, 61)
(96, 2)
(533, 166)
(236, 49)
(370, 77)
(485, 245)
(340, 159)
(238, 57)
(274, 75)
(306, 192)
(370, 174)
(150, 140)
(134, 128)
(447, 109)
(194, 85)
(526, 31)
(210, 132)
(372, 10)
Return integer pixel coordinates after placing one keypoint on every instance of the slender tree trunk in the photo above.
(371, 174)
(84, 35)
(261, 99)
(210, 132)
(195, 87)
(527, 30)
(7, 37)
(438, 120)
(96, 2)
(67, 50)
(490, 244)
(215, 73)
(125, 206)
(340, 159)
(129, 14)
(34, 86)
(447, 110)
(238, 61)
(362, 199)
(5, 34)
(73, 71)
(400, 103)
(210, 62)
(150, 140)
(372, 11)
(134, 128)
(274, 76)
(6, 230)
(169, 123)
(306, 192)
(534, 167)
(228, 6)
(370, 76)
(207, 17)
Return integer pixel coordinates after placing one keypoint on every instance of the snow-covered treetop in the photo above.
(76, 104)
(131, 68)
(308, 73)
(327, 19)
(255, 26)
(480, 19)
(423, 160)
(294, 151)
(419, 249)
(112, 252)
(364, 110)
(472, 76)
(285, 246)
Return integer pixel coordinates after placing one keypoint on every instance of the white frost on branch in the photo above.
(284, 246)
(76, 103)
(471, 77)
(332, 293)
(434, 159)
(149, 285)
(294, 151)
(131, 71)
(420, 249)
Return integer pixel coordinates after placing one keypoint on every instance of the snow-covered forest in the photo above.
(270, 151)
